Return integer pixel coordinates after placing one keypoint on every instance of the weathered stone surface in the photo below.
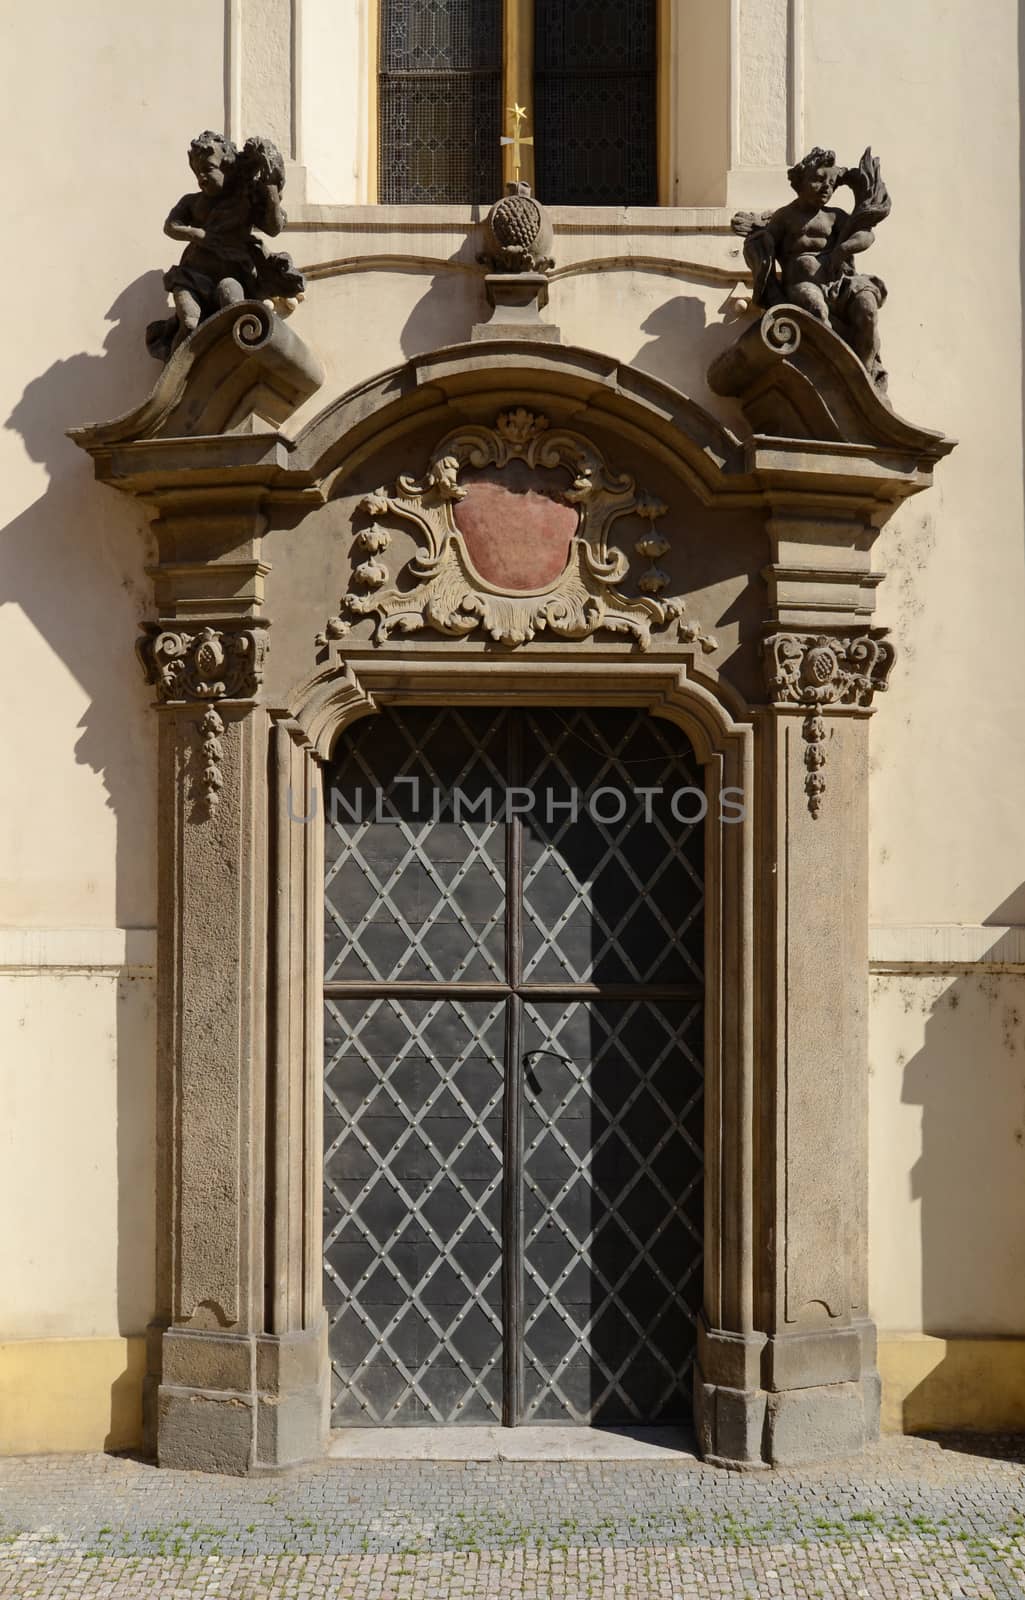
(527, 502)
(803, 253)
(786, 1360)
(814, 1424)
(517, 252)
(224, 263)
(205, 1432)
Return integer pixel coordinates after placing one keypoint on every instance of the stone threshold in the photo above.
(549, 1443)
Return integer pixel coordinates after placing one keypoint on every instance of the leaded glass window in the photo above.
(595, 84)
(440, 102)
(592, 111)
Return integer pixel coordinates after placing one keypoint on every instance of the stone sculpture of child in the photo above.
(223, 262)
(803, 253)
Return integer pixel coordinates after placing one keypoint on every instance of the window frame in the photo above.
(518, 89)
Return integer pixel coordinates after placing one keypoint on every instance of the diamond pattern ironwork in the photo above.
(613, 1209)
(619, 900)
(412, 1239)
(417, 894)
(513, 1173)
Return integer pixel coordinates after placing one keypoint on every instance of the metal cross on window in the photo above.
(517, 138)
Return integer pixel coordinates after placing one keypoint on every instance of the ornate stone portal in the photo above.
(526, 566)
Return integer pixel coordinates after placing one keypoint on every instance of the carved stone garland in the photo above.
(211, 665)
(210, 782)
(816, 670)
(443, 590)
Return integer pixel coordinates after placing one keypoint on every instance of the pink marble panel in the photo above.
(516, 529)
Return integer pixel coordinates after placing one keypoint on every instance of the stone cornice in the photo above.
(242, 368)
(862, 462)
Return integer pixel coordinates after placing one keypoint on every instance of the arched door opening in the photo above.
(514, 1043)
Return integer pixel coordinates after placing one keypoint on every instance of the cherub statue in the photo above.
(803, 253)
(239, 190)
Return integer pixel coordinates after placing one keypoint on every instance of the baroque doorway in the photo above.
(514, 1040)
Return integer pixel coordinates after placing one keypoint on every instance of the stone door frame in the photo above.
(723, 747)
(238, 1370)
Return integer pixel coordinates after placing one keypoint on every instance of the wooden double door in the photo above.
(514, 1035)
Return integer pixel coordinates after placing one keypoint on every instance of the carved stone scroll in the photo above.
(556, 572)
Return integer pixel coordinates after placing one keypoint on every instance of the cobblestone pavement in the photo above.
(912, 1518)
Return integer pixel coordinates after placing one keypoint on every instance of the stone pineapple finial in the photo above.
(517, 252)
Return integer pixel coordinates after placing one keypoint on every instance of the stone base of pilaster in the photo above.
(785, 1401)
(239, 1403)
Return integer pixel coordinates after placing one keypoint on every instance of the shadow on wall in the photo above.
(445, 313)
(1021, 209)
(73, 563)
(683, 345)
(969, 1079)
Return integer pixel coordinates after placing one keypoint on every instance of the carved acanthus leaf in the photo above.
(520, 427)
(212, 664)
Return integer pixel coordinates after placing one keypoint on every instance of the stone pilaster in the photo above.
(238, 1362)
(237, 1354)
(818, 1366)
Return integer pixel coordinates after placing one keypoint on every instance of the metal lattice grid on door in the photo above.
(513, 1173)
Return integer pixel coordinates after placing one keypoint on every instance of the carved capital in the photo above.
(209, 665)
(818, 669)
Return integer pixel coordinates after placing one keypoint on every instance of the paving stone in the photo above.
(912, 1518)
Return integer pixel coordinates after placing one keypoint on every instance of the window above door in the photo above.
(585, 72)
(633, 103)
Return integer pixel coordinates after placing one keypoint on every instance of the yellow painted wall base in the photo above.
(86, 1394)
(932, 1384)
(71, 1394)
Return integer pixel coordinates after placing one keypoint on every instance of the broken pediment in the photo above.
(243, 370)
(794, 378)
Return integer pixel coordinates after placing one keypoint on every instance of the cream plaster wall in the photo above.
(665, 298)
(98, 107)
(76, 1142)
(948, 828)
(119, 90)
(947, 1152)
(947, 1220)
(336, 51)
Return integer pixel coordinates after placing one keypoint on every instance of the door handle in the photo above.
(528, 1065)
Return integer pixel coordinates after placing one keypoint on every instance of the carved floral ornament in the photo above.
(210, 778)
(208, 665)
(816, 670)
(819, 669)
(515, 526)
